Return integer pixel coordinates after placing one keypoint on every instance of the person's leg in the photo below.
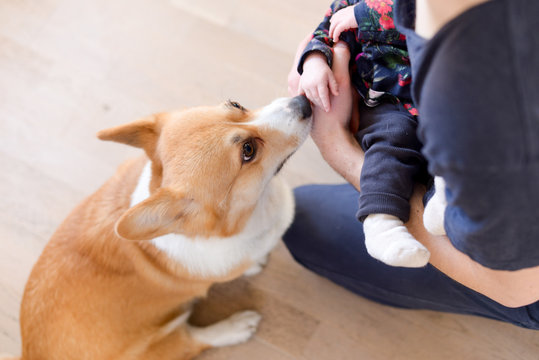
(326, 238)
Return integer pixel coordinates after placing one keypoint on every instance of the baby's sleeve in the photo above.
(321, 40)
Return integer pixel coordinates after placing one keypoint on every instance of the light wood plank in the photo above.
(69, 68)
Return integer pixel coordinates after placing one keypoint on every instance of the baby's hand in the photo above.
(317, 81)
(342, 20)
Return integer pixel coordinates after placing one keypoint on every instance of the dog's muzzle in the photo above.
(302, 105)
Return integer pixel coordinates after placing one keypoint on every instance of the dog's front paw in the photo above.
(240, 327)
(236, 329)
(433, 217)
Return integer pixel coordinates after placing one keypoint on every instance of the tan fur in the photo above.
(94, 295)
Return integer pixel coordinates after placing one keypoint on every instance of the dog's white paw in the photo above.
(257, 267)
(236, 329)
(388, 240)
(433, 217)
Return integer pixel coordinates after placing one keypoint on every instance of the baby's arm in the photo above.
(317, 81)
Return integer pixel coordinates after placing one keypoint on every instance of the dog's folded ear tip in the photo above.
(102, 135)
(122, 231)
(117, 233)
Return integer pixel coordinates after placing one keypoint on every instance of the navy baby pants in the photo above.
(393, 161)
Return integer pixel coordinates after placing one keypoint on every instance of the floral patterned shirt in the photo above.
(381, 68)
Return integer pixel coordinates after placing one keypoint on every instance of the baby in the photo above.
(380, 72)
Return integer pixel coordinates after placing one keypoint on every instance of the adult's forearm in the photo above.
(342, 152)
(509, 288)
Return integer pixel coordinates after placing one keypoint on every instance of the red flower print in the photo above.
(328, 13)
(381, 6)
(412, 110)
(403, 81)
(387, 22)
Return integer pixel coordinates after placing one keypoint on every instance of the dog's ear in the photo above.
(157, 215)
(141, 133)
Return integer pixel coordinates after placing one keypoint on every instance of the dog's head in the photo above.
(210, 165)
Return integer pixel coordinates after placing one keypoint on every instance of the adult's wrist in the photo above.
(343, 153)
(336, 136)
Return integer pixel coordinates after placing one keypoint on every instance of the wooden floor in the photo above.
(71, 67)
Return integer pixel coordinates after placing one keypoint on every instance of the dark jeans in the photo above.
(327, 238)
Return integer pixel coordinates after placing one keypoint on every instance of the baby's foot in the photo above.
(433, 217)
(388, 240)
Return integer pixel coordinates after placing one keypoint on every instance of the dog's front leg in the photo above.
(257, 267)
(236, 329)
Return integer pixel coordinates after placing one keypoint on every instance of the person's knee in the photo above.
(322, 213)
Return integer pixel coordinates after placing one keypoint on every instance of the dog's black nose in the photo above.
(303, 105)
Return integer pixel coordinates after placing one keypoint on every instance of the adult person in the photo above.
(475, 83)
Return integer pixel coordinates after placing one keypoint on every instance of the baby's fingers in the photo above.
(324, 97)
(333, 24)
(333, 85)
(309, 94)
(315, 98)
(299, 89)
(337, 32)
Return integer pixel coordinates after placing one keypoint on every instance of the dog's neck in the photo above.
(216, 256)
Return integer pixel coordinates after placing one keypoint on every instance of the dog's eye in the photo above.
(235, 105)
(248, 151)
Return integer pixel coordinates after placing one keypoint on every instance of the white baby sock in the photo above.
(433, 217)
(388, 240)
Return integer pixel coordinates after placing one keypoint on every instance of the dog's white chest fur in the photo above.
(216, 256)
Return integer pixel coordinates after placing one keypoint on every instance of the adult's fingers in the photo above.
(293, 82)
(332, 27)
(308, 94)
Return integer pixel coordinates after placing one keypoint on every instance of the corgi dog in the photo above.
(118, 278)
